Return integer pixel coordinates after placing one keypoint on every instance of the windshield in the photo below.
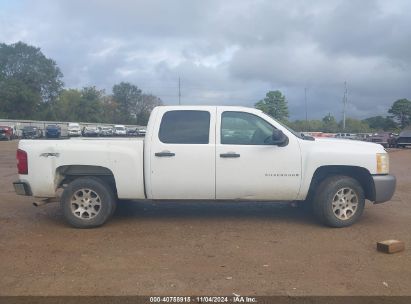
(298, 134)
(120, 128)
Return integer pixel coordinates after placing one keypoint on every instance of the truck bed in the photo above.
(122, 157)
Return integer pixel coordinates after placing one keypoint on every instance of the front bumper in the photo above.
(22, 188)
(384, 186)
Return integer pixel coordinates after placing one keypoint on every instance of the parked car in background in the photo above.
(53, 131)
(404, 139)
(31, 132)
(386, 139)
(363, 136)
(346, 136)
(91, 131)
(120, 130)
(106, 131)
(131, 131)
(73, 129)
(141, 132)
(6, 133)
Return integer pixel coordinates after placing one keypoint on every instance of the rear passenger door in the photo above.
(182, 154)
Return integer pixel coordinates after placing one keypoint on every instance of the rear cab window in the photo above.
(185, 127)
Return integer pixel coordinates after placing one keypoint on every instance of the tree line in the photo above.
(275, 105)
(31, 87)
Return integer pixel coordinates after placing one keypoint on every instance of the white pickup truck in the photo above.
(206, 153)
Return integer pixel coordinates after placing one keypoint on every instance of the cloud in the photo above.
(228, 52)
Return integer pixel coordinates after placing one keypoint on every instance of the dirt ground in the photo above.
(202, 248)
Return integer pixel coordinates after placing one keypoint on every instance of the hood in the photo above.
(338, 143)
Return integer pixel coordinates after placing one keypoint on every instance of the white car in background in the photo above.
(141, 132)
(106, 131)
(73, 129)
(120, 130)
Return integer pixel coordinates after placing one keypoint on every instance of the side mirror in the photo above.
(279, 138)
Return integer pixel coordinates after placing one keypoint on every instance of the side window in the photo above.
(239, 128)
(185, 127)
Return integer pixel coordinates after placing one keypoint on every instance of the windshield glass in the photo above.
(298, 134)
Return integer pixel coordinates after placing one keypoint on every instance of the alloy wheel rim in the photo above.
(345, 203)
(85, 204)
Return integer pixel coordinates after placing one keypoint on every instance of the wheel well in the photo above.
(360, 174)
(66, 174)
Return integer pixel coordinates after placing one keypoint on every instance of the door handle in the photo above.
(164, 154)
(229, 155)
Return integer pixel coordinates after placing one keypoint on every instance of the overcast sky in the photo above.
(228, 52)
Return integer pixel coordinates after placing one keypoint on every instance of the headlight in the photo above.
(383, 163)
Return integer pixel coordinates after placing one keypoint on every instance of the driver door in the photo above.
(248, 167)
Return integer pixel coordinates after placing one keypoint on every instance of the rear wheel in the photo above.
(88, 202)
(339, 201)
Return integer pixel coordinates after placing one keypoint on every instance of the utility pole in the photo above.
(306, 111)
(179, 91)
(344, 103)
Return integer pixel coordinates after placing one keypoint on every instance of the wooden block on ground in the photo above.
(390, 246)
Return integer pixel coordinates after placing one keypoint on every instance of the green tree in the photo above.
(330, 125)
(302, 125)
(68, 105)
(28, 81)
(110, 112)
(275, 105)
(355, 126)
(83, 105)
(378, 123)
(17, 100)
(90, 107)
(127, 96)
(297, 125)
(401, 110)
(144, 106)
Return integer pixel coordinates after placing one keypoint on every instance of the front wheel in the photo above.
(339, 201)
(88, 202)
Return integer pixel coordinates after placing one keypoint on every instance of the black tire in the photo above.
(100, 194)
(328, 196)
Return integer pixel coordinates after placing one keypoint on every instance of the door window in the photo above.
(185, 127)
(239, 128)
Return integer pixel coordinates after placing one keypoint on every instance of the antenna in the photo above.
(179, 91)
(345, 103)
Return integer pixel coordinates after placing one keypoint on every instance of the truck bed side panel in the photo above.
(124, 158)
